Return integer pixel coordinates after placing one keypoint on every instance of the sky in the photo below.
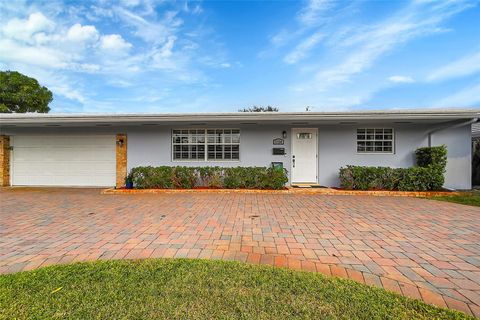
(135, 56)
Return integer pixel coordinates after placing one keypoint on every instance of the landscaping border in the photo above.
(320, 191)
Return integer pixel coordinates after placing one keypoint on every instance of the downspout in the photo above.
(461, 124)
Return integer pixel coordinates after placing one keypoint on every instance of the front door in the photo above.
(304, 155)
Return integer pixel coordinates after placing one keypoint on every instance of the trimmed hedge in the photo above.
(432, 156)
(428, 175)
(179, 177)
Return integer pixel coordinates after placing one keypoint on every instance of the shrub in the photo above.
(428, 175)
(189, 177)
(152, 177)
(184, 177)
(432, 156)
(210, 177)
(476, 163)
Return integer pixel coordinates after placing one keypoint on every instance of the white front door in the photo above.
(304, 155)
(63, 160)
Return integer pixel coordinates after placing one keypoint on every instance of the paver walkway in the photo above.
(420, 248)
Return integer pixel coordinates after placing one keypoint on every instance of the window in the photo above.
(304, 135)
(378, 140)
(206, 144)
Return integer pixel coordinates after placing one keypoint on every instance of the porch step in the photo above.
(307, 185)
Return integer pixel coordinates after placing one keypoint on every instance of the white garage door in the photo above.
(63, 160)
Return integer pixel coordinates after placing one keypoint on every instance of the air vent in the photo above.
(103, 125)
(249, 123)
(299, 122)
(149, 124)
(197, 123)
(402, 122)
(52, 125)
(348, 122)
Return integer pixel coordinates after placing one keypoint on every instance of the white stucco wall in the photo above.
(337, 147)
(152, 146)
(459, 164)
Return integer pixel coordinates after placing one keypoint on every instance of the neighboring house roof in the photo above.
(476, 130)
(424, 115)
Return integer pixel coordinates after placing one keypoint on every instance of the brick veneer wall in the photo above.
(121, 155)
(4, 161)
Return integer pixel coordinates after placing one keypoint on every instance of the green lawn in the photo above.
(197, 289)
(468, 198)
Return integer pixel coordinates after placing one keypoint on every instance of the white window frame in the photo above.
(206, 144)
(375, 152)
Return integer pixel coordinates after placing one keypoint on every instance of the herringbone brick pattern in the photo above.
(419, 248)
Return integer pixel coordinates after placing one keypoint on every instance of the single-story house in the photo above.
(99, 149)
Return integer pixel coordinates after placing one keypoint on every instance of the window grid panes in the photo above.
(206, 144)
(375, 140)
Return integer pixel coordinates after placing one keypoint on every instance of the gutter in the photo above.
(461, 124)
(234, 116)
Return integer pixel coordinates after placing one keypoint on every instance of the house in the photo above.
(99, 149)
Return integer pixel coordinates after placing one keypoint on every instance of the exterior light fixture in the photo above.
(120, 142)
(284, 134)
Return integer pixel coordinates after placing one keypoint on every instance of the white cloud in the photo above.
(303, 49)
(462, 67)
(166, 50)
(114, 43)
(311, 13)
(79, 33)
(364, 46)
(466, 98)
(197, 9)
(401, 79)
(66, 48)
(151, 31)
(66, 91)
(12, 52)
(23, 29)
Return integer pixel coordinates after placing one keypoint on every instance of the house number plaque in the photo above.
(278, 141)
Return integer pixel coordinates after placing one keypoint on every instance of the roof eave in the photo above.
(226, 117)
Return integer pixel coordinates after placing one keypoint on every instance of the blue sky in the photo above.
(177, 56)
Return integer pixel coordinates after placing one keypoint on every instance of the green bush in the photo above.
(428, 175)
(215, 177)
(152, 177)
(184, 177)
(432, 156)
(210, 177)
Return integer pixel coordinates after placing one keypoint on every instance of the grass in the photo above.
(469, 198)
(197, 289)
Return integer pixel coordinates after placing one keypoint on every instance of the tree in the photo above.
(259, 109)
(21, 94)
(476, 163)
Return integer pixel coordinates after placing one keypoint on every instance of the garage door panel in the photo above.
(63, 161)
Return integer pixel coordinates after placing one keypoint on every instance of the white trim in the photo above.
(291, 155)
(419, 114)
(11, 160)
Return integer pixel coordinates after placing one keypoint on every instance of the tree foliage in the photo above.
(476, 163)
(259, 109)
(21, 94)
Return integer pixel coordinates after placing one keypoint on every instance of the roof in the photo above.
(400, 114)
(476, 130)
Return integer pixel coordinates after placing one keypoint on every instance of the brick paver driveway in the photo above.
(420, 248)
